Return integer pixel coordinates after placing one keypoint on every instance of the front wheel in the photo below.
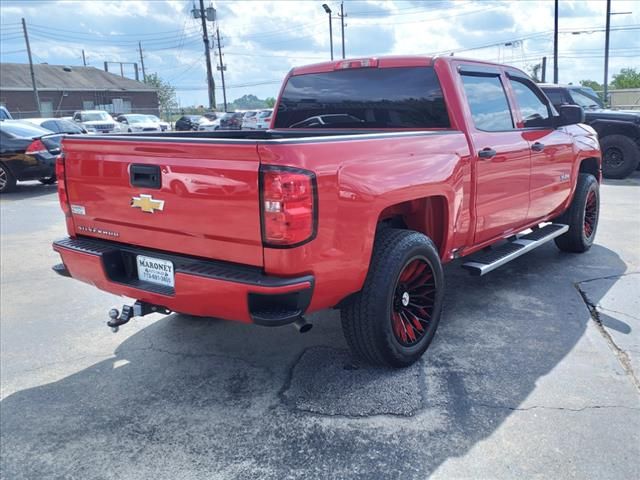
(581, 216)
(393, 319)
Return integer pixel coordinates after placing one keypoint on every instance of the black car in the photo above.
(188, 122)
(58, 125)
(27, 152)
(618, 131)
(231, 121)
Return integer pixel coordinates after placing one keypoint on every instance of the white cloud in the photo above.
(264, 39)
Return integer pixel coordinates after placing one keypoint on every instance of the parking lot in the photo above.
(534, 371)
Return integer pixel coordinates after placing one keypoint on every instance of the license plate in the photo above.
(155, 270)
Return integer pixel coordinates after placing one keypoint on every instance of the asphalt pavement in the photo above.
(534, 372)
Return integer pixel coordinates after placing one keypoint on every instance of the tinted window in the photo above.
(584, 100)
(488, 103)
(534, 111)
(556, 96)
(50, 125)
(408, 97)
(67, 126)
(22, 130)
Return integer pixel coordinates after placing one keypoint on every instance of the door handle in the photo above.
(537, 147)
(487, 153)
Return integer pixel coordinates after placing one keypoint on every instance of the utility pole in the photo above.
(36, 97)
(205, 38)
(84, 60)
(222, 68)
(328, 10)
(144, 74)
(342, 25)
(543, 76)
(606, 52)
(606, 48)
(555, 44)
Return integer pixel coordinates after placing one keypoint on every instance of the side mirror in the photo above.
(570, 115)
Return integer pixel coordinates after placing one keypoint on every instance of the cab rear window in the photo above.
(405, 97)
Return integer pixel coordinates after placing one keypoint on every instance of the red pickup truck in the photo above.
(374, 173)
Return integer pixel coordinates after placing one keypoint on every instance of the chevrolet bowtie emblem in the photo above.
(147, 203)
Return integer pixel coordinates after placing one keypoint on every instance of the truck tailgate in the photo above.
(205, 203)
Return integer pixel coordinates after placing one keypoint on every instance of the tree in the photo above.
(166, 92)
(627, 78)
(248, 102)
(534, 71)
(592, 84)
(270, 101)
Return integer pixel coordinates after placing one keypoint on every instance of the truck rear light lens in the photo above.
(36, 147)
(289, 210)
(360, 63)
(62, 186)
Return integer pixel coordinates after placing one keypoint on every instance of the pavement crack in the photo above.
(620, 354)
(545, 407)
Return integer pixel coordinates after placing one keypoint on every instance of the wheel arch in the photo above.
(590, 165)
(428, 215)
(606, 128)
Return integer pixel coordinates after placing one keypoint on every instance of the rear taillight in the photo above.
(62, 186)
(36, 147)
(289, 210)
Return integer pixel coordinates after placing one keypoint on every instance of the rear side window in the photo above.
(407, 97)
(488, 102)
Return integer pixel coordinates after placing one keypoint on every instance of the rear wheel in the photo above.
(393, 319)
(582, 216)
(620, 156)
(7, 180)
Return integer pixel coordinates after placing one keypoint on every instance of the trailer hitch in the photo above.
(138, 309)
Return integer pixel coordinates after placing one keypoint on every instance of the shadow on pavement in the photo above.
(200, 398)
(26, 190)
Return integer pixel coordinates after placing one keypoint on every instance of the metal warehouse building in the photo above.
(64, 90)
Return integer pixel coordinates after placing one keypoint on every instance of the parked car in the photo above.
(249, 120)
(212, 115)
(96, 121)
(450, 158)
(231, 121)
(209, 125)
(133, 123)
(4, 114)
(263, 119)
(57, 125)
(618, 131)
(27, 152)
(164, 126)
(188, 122)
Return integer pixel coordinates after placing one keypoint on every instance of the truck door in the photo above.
(551, 149)
(502, 157)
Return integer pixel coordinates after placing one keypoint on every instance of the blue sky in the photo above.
(262, 40)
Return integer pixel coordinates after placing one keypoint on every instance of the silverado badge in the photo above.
(147, 203)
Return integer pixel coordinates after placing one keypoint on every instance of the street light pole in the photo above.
(342, 25)
(555, 44)
(328, 10)
(606, 48)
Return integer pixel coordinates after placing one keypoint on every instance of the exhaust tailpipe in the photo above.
(302, 325)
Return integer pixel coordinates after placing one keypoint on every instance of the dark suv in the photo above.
(618, 131)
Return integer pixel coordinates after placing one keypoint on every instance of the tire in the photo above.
(405, 268)
(620, 156)
(48, 180)
(7, 180)
(581, 216)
